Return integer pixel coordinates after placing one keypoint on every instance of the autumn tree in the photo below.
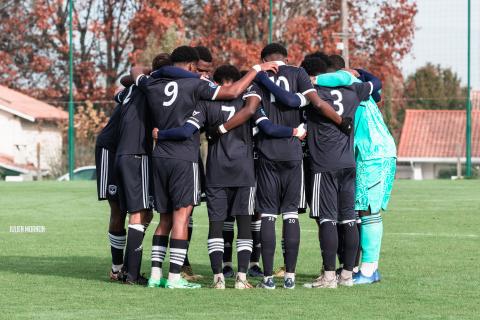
(34, 48)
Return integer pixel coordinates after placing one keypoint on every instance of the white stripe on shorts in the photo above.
(316, 194)
(104, 174)
(251, 202)
(303, 199)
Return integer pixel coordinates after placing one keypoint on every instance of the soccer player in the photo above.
(375, 155)
(175, 167)
(204, 68)
(132, 167)
(107, 188)
(279, 169)
(333, 166)
(205, 62)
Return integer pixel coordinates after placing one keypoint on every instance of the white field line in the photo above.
(401, 234)
(405, 234)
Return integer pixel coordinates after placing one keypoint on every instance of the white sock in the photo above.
(218, 276)
(290, 275)
(173, 276)
(156, 273)
(355, 270)
(368, 268)
(242, 276)
(230, 264)
(266, 278)
(253, 264)
(117, 267)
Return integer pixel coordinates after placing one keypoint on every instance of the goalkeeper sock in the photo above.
(371, 240)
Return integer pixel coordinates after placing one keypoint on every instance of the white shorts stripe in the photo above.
(251, 202)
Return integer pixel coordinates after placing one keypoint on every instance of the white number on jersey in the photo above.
(280, 79)
(171, 90)
(230, 110)
(338, 101)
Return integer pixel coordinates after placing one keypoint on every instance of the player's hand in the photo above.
(155, 134)
(352, 71)
(346, 126)
(313, 79)
(300, 132)
(213, 134)
(269, 66)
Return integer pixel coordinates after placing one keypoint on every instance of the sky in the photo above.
(441, 38)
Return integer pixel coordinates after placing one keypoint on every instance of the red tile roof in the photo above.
(7, 162)
(27, 107)
(438, 134)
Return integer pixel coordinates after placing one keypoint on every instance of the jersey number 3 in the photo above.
(230, 110)
(338, 101)
(171, 90)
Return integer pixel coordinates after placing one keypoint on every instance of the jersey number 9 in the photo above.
(171, 90)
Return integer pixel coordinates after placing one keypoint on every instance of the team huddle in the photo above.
(282, 140)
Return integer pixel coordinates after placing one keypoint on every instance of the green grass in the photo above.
(429, 263)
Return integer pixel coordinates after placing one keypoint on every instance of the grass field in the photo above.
(430, 260)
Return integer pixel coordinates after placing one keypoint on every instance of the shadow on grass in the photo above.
(97, 268)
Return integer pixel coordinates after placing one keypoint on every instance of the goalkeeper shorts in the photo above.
(374, 183)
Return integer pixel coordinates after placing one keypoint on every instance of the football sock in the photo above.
(190, 230)
(134, 250)
(350, 244)
(159, 250)
(117, 245)
(291, 242)
(244, 242)
(178, 251)
(371, 240)
(228, 235)
(340, 244)
(368, 268)
(328, 244)
(215, 246)
(267, 236)
(359, 250)
(289, 275)
(257, 247)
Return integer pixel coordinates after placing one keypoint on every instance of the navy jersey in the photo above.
(292, 79)
(230, 158)
(134, 129)
(329, 148)
(172, 103)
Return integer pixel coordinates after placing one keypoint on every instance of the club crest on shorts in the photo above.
(112, 189)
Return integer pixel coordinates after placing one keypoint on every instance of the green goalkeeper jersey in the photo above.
(372, 140)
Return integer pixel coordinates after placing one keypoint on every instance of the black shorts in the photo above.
(134, 181)
(107, 187)
(278, 186)
(223, 202)
(333, 196)
(176, 184)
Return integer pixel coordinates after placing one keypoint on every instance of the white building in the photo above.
(433, 140)
(30, 134)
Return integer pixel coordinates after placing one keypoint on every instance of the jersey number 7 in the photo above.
(230, 110)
